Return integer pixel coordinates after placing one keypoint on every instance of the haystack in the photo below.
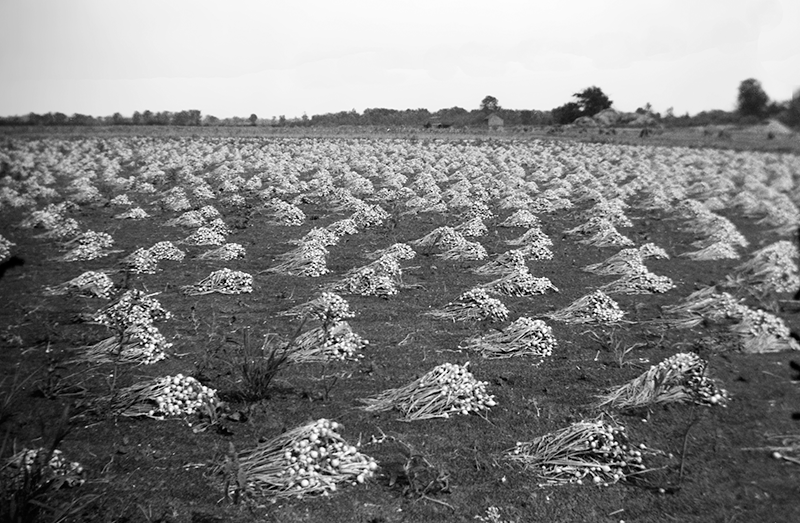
(585, 121)
(608, 117)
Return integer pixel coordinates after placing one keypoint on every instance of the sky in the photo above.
(295, 57)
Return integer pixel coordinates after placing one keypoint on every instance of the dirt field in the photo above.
(704, 462)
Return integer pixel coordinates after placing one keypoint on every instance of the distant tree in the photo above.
(567, 113)
(137, 118)
(489, 104)
(81, 119)
(210, 120)
(190, 117)
(791, 116)
(281, 120)
(162, 118)
(592, 100)
(253, 119)
(752, 99)
(148, 118)
(118, 119)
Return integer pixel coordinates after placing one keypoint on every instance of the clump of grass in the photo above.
(412, 471)
(613, 344)
(257, 366)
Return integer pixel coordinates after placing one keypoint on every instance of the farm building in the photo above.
(775, 128)
(494, 122)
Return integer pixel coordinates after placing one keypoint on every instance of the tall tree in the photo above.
(489, 104)
(792, 115)
(752, 98)
(567, 113)
(592, 100)
(253, 119)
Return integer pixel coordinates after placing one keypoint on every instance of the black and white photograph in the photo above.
(359, 261)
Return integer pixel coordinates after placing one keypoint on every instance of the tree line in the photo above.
(753, 106)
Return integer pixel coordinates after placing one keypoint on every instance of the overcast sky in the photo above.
(234, 58)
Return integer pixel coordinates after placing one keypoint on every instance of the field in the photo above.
(693, 249)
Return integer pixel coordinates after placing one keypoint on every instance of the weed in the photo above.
(55, 384)
(8, 396)
(417, 476)
(609, 341)
(256, 367)
(27, 490)
(492, 516)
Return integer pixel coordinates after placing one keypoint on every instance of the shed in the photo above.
(775, 128)
(494, 121)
